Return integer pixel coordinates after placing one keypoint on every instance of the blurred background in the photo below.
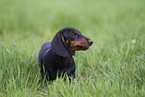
(37, 21)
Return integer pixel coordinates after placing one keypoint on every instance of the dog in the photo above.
(55, 56)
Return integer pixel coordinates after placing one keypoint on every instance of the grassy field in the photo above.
(114, 66)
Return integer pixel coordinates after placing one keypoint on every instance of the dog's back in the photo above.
(44, 49)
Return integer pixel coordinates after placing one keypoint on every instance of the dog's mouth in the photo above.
(79, 45)
(82, 47)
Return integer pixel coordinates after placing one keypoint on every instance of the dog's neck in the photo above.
(71, 52)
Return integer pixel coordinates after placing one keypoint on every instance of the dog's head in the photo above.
(69, 39)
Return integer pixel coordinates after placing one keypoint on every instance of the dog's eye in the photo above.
(74, 34)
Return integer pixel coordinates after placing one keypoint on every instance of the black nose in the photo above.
(90, 42)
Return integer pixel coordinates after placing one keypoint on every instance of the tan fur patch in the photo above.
(82, 42)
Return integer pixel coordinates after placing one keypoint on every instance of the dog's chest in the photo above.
(63, 63)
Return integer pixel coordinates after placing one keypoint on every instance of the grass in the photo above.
(113, 66)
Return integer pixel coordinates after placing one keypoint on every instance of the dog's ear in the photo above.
(59, 46)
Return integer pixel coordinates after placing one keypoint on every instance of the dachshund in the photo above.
(55, 56)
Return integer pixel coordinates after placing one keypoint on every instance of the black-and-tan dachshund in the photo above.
(55, 56)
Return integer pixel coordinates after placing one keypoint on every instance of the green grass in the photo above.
(113, 66)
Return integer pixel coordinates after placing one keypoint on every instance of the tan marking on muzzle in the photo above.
(82, 42)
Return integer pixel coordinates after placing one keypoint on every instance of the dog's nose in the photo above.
(90, 42)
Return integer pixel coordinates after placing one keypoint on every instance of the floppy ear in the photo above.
(58, 45)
